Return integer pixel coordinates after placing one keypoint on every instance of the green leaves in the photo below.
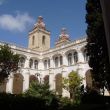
(73, 84)
(96, 43)
(73, 81)
(8, 62)
(41, 91)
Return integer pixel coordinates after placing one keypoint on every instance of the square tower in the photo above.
(39, 37)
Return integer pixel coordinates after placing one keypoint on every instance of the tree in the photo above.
(41, 91)
(8, 62)
(73, 84)
(96, 45)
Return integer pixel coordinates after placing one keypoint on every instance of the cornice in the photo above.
(39, 30)
(51, 50)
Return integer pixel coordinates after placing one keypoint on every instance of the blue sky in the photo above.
(18, 16)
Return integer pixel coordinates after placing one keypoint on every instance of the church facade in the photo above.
(48, 65)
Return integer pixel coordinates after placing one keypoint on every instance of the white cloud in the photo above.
(15, 23)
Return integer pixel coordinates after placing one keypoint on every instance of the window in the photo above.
(45, 64)
(61, 61)
(31, 63)
(56, 61)
(36, 64)
(22, 62)
(33, 38)
(86, 58)
(43, 40)
(75, 55)
(70, 59)
(48, 62)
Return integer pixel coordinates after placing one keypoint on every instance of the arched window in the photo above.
(33, 78)
(33, 38)
(46, 79)
(75, 55)
(89, 79)
(70, 59)
(31, 63)
(45, 64)
(36, 64)
(48, 62)
(86, 58)
(56, 61)
(43, 40)
(61, 60)
(22, 62)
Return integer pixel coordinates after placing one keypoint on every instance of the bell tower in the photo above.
(39, 37)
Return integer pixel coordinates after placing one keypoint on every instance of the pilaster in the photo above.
(80, 56)
(65, 61)
(51, 80)
(27, 62)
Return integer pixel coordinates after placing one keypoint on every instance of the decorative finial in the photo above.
(63, 37)
(63, 31)
(64, 34)
(40, 24)
(40, 19)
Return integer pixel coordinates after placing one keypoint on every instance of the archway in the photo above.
(58, 83)
(33, 78)
(46, 79)
(89, 80)
(18, 83)
(3, 86)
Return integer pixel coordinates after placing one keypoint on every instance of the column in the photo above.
(65, 61)
(40, 65)
(80, 56)
(65, 93)
(81, 72)
(52, 81)
(51, 62)
(27, 62)
(26, 81)
(9, 86)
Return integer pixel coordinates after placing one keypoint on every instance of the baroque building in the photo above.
(48, 65)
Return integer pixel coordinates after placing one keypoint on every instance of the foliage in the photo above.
(8, 62)
(93, 97)
(65, 102)
(42, 91)
(16, 102)
(73, 84)
(96, 44)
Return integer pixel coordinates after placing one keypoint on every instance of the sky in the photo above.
(17, 18)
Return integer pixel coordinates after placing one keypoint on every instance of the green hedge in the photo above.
(18, 102)
(13, 102)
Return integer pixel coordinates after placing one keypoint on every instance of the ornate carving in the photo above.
(40, 24)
